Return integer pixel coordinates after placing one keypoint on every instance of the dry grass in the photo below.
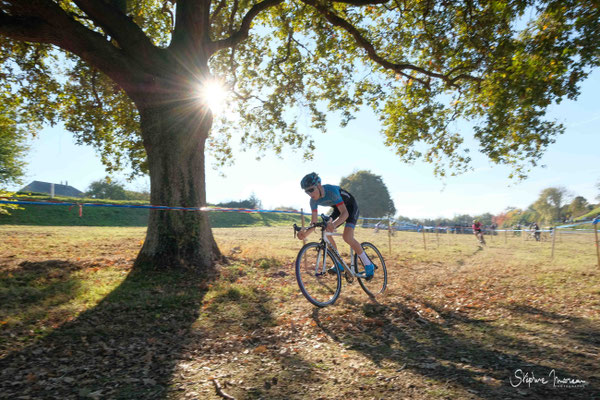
(457, 322)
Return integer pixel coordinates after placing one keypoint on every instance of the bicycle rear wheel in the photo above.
(320, 286)
(378, 283)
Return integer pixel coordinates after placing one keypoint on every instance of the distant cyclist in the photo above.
(477, 231)
(345, 210)
(535, 230)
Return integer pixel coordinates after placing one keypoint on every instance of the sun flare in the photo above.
(213, 94)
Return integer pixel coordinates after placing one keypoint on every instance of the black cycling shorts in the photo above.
(351, 206)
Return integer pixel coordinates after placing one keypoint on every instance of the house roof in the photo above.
(59, 189)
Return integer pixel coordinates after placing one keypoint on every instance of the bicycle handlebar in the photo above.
(321, 225)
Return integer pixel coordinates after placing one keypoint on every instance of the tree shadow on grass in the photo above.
(125, 347)
(239, 342)
(32, 290)
(473, 357)
(583, 333)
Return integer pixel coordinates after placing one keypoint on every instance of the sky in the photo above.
(572, 162)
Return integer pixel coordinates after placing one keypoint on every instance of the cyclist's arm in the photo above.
(308, 230)
(343, 215)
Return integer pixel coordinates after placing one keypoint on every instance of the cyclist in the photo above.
(477, 231)
(535, 230)
(345, 210)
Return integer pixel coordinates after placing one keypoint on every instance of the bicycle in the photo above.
(319, 279)
(479, 236)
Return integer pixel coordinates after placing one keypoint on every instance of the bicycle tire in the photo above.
(378, 283)
(314, 280)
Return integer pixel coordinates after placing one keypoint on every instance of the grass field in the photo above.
(458, 321)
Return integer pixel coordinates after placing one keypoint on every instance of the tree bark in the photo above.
(174, 130)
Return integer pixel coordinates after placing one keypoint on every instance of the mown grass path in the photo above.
(457, 322)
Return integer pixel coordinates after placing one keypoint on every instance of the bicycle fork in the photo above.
(321, 262)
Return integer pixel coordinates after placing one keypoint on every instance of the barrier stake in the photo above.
(597, 244)
(390, 236)
(302, 216)
(553, 241)
(437, 237)
(424, 242)
(303, 240)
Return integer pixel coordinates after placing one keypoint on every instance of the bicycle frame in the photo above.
(325, 242)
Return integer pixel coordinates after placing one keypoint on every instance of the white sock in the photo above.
(364, 258)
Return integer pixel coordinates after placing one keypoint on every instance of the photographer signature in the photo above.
(527, 378)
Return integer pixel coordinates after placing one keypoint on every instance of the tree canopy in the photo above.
(550, 205)
(12, 150)
(579, 206)
(418, 64)
(104, 189)
(371, 194)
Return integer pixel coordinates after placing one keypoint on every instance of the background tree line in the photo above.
(554, 205)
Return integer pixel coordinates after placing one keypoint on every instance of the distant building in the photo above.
(46, 187)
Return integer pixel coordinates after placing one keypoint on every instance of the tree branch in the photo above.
(220, 391)
(26, 28)
(242, 33)
(363, 42)
(119, 26)
(217, 11)
(43, 21)
(362, 2)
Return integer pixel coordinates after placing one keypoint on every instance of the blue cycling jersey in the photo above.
(332, 197)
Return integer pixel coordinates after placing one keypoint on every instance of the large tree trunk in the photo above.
(174, 133)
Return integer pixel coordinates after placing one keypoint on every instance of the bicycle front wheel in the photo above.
(377, 284)
(318, 284)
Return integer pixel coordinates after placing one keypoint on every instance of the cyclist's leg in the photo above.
(349, 238)
(351, 221)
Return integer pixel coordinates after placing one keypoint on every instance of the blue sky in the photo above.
(572, 162)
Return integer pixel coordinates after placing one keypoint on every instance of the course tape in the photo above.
(577, 224)
(251, 210)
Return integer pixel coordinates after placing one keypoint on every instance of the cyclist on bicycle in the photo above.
(345, 210)
(535, 229)
(477, 231)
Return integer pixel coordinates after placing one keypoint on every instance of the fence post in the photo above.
(424, 242)
(390, 236)
(597, 244)
(506, 236)
(553, 241)
(302, 214)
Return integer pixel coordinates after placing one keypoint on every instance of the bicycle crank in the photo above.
(349, 277)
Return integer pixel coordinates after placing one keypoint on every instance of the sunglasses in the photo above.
(310, 190)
